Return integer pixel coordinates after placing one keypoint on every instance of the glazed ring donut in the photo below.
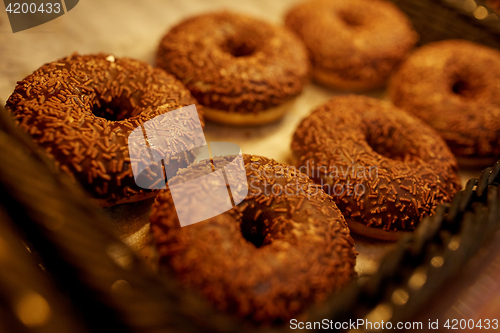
(283, 247)
(454, 86)
(81, 109)
(353, 44)
(243, 70)
(385, 169)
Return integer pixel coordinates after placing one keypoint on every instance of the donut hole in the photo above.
(466, 86)
(254, 231)
(390, 144)
(459, 87)
(239, 47)
(114, 110)
(383, 148)
(351, 19)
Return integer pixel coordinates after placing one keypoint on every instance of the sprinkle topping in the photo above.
(284, 244)
(383, 167)
(81, 109)
(453, 86)
(357, 40)
(234, 62)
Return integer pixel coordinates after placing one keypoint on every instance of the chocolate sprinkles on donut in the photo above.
(353, 44)
(243, 70)
(454, 86)
(415, 170)
(285, 246)
(81, 109)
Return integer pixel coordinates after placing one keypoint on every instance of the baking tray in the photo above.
(132, 29)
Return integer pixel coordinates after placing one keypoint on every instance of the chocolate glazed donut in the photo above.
(283, 247)
(454, 86)
(81, 110)
(385, 169)
(243, 70)
(353, 44)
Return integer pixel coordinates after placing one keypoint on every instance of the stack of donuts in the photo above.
(359, 165)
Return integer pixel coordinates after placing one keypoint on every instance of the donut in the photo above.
(454, 86)
(385, 169)
(81, 110)
(285, 246)
(243, 70)
(353, 44)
